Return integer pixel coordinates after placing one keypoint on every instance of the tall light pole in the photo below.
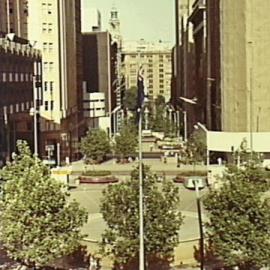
(7, 133)
(192, 101)
(198, 201)
(33, 112)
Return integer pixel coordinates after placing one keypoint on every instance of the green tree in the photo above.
(130, 99)
(37, 222)
(239, 217)
(95, 145)
(126, 143)
(162, 221)
(160, 101)
(196, 147)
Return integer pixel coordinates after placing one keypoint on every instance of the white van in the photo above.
(189, 182)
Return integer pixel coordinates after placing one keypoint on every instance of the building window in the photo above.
(46, 105)
(4, 77)
(51, 66)
(44, 27)
(45, 66)
(50, 27)
(51, 86)
(52, 104)
(45, 86)
(44, 46)
(50, 47)
(161, 92)
(11, 10)
(49, 8)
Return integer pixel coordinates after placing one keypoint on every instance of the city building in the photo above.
(183, 67)
(115, 31)
(156, 60)
(230, 62)
(20, 76)
(99, 67)
(59, 38)
(13, 17)
(91, 20)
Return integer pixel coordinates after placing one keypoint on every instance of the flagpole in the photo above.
(141, 255)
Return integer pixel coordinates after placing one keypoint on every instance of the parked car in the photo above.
(189, 182)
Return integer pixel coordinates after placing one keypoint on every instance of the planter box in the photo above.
(98, 180)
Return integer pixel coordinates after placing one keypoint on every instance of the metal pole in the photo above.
(200, 224)
(7, 133)
(58, 154)
(185, 125)
(35, 111)
(141, 255)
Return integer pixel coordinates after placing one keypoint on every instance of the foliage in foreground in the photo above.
(162, 221)
(37, 223)
(239, 217)
(95, 145)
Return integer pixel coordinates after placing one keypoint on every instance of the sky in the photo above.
(152, 20)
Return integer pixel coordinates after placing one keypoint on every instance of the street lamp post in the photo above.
(7, 133)
(192, 101)
(33, 112)
(198, 201)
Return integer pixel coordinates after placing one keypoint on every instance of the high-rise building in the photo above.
(231, 59)
(18, 61)
(99, 69)
(56, 28)
(156, 61)
(13, 17)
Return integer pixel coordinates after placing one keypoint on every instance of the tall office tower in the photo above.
(56, 27)
(13, 17)
(183, 64)
(114, 29)
(156, 60)
(99, 57)
(245, 58)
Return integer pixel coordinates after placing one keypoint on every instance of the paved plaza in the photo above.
(89, 196)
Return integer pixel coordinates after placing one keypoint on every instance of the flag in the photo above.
(141, 88)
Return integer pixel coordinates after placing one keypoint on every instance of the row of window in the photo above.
(19, 107)
(47, 46)
(46, 8)
(48, 66)
(47, 107)
(47, 28)
(48, 86)
(15, 77)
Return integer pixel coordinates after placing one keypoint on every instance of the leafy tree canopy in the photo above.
(162, 221)
(239, 217)
(37, 222)
(130, 99)
(95, 145)
(126, 143)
